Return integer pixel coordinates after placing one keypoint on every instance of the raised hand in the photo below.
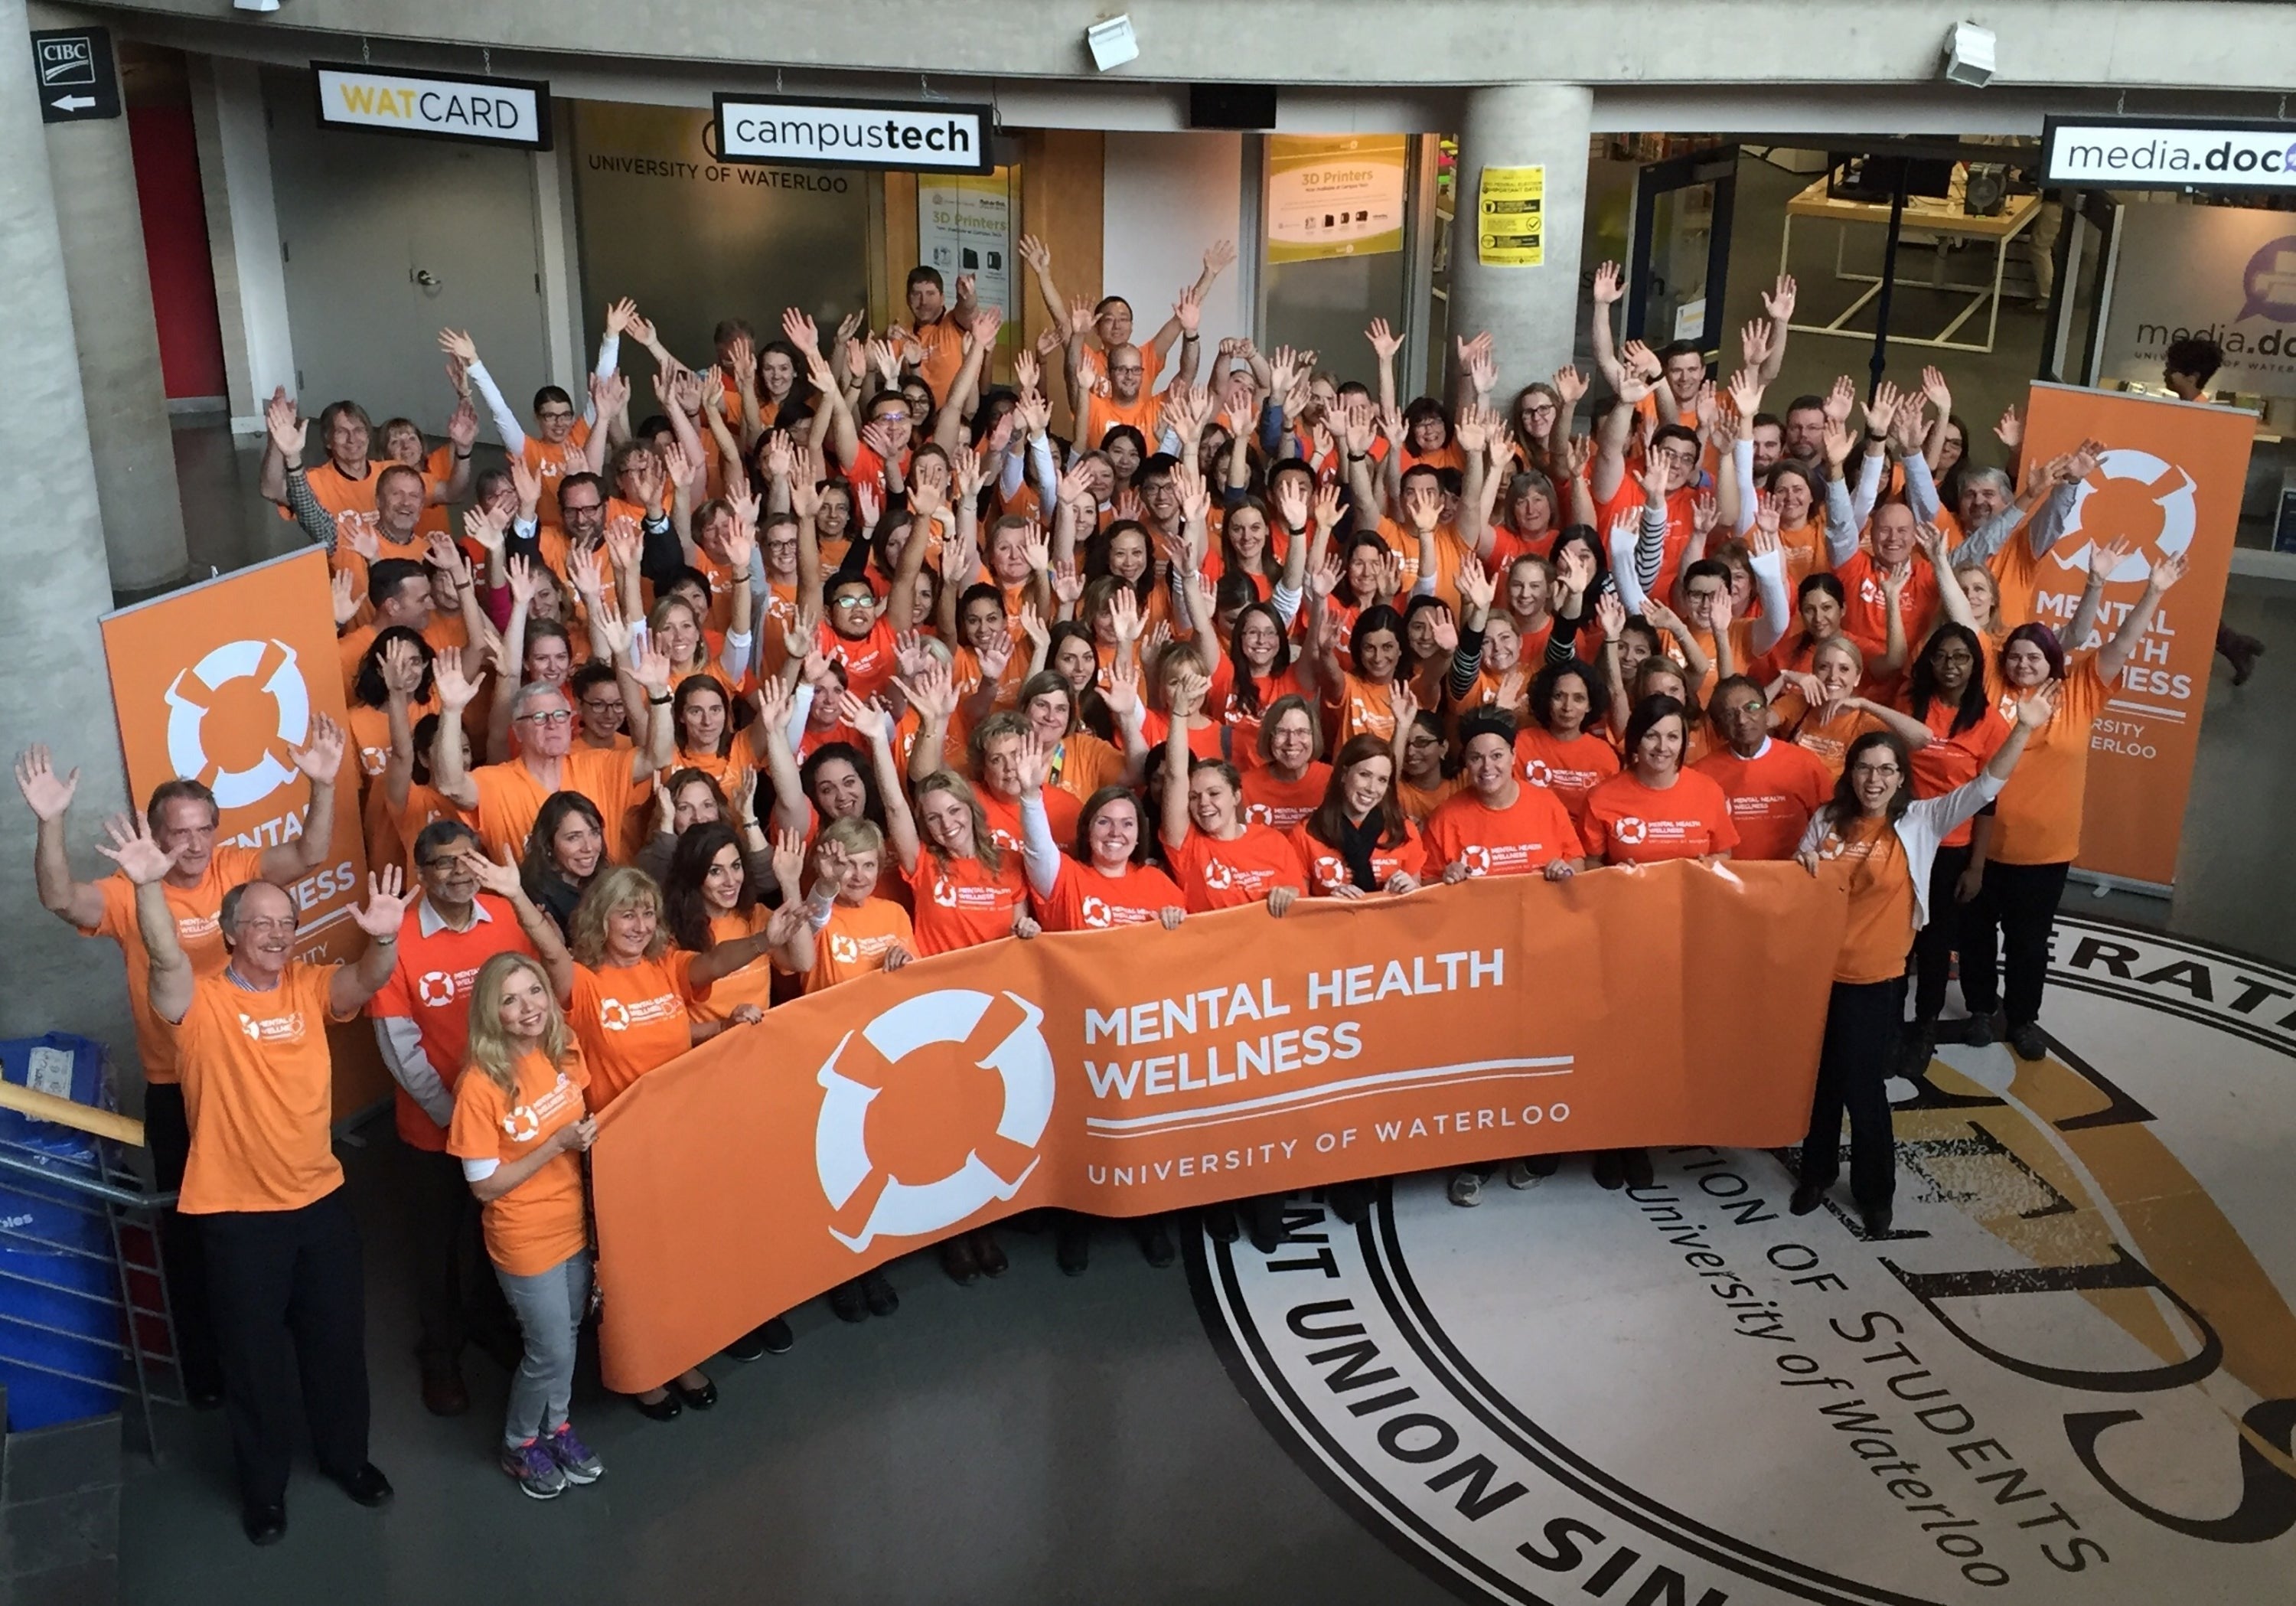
(323, 756)
(50, 795)
(2037, 706)
(1035, 763)
(1839, 399)
(287, 432)
(1383, 341)
(499, 877)
(1610, 284)
(385, 909)
(1779, 300)
(1611, 614)
(2010, 430)
(133, 849)
(1569, 385)
(460, 346)
(345, 596)
(2168, 572)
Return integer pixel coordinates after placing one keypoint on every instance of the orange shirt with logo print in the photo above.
(540, 1224)
(960, 903)
(1363, 708)
(1953, 757)
(1570, 769)
(1327, 867)
(510, 797)
(633, 1018)
(198, 910)
(753, 983)
(258, 1088)
(1772, 795)
(1829, 739)
(1522, 839)
(1270, 800)
(1868, 861)
(1083, 899)
(2036, 819)
(1229, 875)
(1062, 809)
(430, 985)
(1630, 823)
(855, 941)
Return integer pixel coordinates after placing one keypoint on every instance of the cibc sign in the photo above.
(487, 111)
(2168, 153)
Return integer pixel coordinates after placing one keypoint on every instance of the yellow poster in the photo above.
(1511, 218)
(1334, 197)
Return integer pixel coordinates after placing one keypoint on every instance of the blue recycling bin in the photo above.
(60, 1324)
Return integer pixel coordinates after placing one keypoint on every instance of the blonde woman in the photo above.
(520, 1120)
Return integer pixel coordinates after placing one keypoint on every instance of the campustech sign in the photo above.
(943, 137)
(496, 111)
(2197, 154)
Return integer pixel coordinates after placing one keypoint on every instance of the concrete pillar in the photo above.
(1531, 311)
(54, 585)
(242, 234)
(102, 229)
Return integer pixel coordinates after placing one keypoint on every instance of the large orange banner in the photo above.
(216, 683)
(1125, 1073)
(2170, 481)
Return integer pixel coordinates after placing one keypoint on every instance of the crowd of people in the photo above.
(836, 657)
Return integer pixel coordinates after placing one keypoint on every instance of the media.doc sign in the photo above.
(940, 138)
(495, 112)
(2200, 154)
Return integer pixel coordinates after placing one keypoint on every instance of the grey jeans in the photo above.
(549, 1308)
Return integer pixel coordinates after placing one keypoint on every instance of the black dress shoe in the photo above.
(1638, 1163)
(263, 1523)
(845, 1302)
(1072, 1245)
(700, 1399)
(367, 1486)
(1156, 1247)
(956, 1260)
(1610, 1170)
(663, 1410)
(987, 1254)
(1264, 1218)
(1219, 1221)
(1877, 1220)
(878, 1293)
(1807, 1197)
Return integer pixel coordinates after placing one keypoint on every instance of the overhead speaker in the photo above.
(1231, 106)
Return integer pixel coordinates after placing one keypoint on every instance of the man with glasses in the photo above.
(1648, 550)
(468, 911)
(1774, 787)
(261, 1182)
(563, 443)
(1124, 397)
(504, 798)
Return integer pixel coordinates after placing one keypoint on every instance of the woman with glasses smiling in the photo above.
(1879, 844)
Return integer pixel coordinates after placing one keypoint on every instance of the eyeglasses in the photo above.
(601, 705)
(1536, 408)
(1131, 370)
(566, 506)
(555, 416)
(1877, 772)
(892, 418)
(556, 716)
(854, 602)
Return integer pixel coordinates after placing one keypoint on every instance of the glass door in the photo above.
(1680, 255)
(2087, 241)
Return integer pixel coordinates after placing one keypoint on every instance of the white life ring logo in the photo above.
(2175, 497)
(1537, 772)
(996, 1031)
(435, 989)
(613, 1015)
(1096, 913)
(1630, 830)
(192, 694)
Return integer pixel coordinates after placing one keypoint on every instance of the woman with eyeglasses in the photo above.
(1879, 844)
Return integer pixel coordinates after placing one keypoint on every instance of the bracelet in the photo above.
(659, 702)
(462, 457)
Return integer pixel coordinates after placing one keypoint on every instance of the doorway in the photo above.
(1678, 255)
(388, 240)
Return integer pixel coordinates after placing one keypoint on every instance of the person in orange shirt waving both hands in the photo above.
(262, 1181)
(1878, 842)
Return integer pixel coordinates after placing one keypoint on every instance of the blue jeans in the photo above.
(549, 1308)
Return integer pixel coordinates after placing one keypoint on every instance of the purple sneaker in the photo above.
(572, 1457)
(535, 1469)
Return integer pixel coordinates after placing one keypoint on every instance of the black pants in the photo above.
(168, 1134)
(284, 1283)
(2016, 909)
(1862, 1022)
(457, 1298)
(1935, 942)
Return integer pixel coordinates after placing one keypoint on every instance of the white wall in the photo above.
(1168, 196)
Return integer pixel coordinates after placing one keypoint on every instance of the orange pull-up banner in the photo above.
(1125, 1073)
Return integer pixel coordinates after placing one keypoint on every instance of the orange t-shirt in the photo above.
(1569, 770)
(259, 1087)
(1084, 899)
(1103, 414)
(431, 985)
(509, 797)
(1362, 709)
(337, 492)
(1866, 610)
(1953, 757)
(855, 941)
(1870, 864)
(1798, 724)
(554, 463)
(2037, 817)
(1520, 839)
(540, 1224)
(1420, 802)
(423, 805)
(1082, 764)
(1062, 809)
(1243, 726)
(944, 344)
(960, 904)
(1772, 795)
(633, 1018)
(1228, 875)
(1327, 867)
(1207, 740)
(753, 983)
(199, 932)
(1270, 800)
(1629, 823)
(1452, 554)
(870, 661)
